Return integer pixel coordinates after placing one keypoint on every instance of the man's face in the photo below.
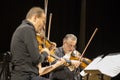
(69, 45)
(40, 23)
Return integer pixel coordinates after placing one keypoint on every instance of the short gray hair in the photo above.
(70, 36)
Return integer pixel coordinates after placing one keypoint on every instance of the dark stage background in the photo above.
(103, 14)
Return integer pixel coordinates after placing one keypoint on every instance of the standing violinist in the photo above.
(24, 48)
(66, 51)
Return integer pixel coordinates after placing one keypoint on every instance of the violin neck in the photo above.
(54, 56)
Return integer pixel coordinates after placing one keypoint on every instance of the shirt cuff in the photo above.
(44, 56)
(68, 61)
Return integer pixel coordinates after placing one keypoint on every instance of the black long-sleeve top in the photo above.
(24, 49)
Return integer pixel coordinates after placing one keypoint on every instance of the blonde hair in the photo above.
(34, 11)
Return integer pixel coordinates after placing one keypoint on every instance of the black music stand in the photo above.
(5, 72)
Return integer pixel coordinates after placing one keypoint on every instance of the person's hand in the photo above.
(53, 46)
(75, 63)
(61, 61)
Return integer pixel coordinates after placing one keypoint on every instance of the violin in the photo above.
(84, 61)
(43, 42)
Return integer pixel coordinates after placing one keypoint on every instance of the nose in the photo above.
(43, 27)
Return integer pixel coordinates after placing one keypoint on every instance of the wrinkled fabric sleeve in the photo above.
(32, 46)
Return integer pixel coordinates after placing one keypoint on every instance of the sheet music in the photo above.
(94, 62)
(91, 66)
(109, 65)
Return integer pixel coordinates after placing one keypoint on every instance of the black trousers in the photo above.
(39, 78)
(26, 76)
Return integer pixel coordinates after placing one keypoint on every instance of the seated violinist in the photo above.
(66, 51)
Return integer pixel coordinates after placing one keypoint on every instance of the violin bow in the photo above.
(45, 9)
(88, 43)
(50, 18)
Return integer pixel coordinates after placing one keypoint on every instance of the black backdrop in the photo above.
(66, 19)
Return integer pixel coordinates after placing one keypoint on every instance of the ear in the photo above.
(34, 18)
(64, 41)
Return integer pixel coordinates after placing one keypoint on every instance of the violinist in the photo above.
(65, 51)
(25, 51)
